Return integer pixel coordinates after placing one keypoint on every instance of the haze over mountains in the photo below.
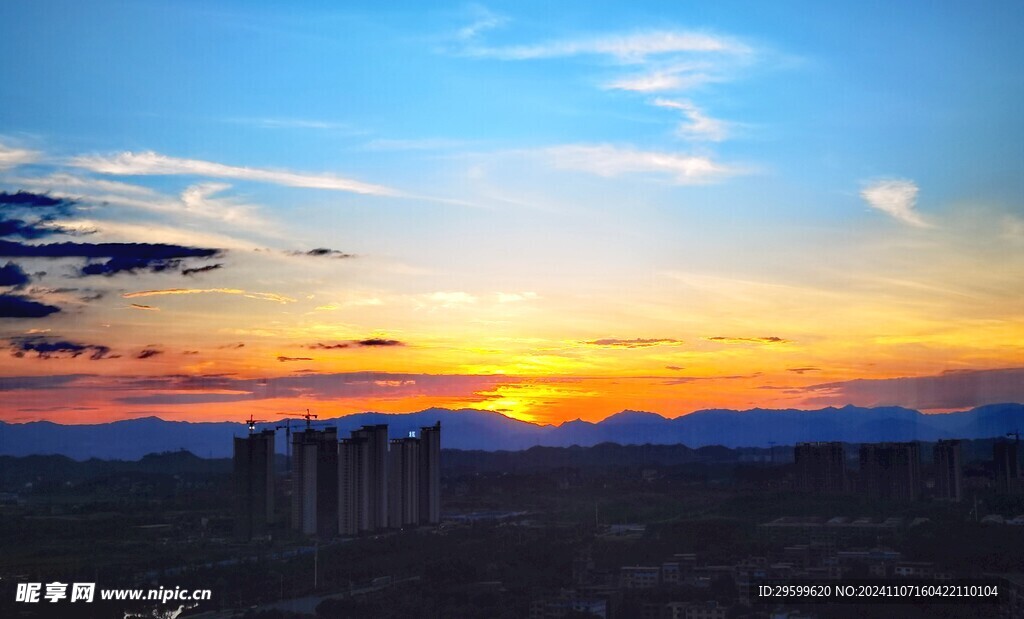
(484, 430)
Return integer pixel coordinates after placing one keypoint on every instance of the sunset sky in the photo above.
(554, 211)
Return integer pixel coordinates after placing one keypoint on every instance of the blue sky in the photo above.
(645, 171)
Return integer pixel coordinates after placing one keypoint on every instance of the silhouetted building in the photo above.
(404, 482)
(430, 474)
(821, 467)
(353, 486)
(890, 470)
(315, 482)
(948, 471)
(1007, 470)
(376, 475)
(253, 484)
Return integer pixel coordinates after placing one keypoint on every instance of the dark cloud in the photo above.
(369, 342)
(322, 252)
(205, 269)
(32, 200)
(30, 230)
(144, 307)
(32, 383)
(803, 370)
(375, 341)
(947, 391)
(233, 346)
(122, 257)
(283, 359)
(50, 348)
(12, 275)
(634, 343)
(689, 379)
(675, 368)
(148, 352)
(190, 352)
(17, 306)
(748, 340)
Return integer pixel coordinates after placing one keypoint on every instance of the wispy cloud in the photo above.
(696, 124)
(949, 390)
(896, 197)
(11, 156)
(483, 20)
(629, 48)
(155, 164)
(773, 339)
(264, 296)
(611, 342)
(611, 161)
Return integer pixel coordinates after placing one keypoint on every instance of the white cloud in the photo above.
(483, 20)
(897, 197)
(661, 80)
(154, 164)
(631, 48)
(11, 157)
(698, 125)
(608, 160)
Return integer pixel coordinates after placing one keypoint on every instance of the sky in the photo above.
(217, 209)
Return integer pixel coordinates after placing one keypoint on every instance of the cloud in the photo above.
(27, 199)
(50, 348)
(11, 157)
(146, 353)
(676, 77)
(34, 383)
(17, 306)
(369, 342)
(698, 125)
(611, 161)
(682, 380)
(803, 370)
(205, 269)
(123, 257)
(897, 197)
(483, 20)
(154, 164)
(629, 48)
(322, 252)
(283, 359)
(12, 275)
(264, 296)
(634, 343)
(376, 341)
(949, 390)
(748, 340)
(144, 307)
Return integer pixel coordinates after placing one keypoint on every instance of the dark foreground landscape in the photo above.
(607, 531)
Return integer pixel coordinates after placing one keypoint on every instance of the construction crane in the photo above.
(309, 417)
(252, 423)
(287, 427)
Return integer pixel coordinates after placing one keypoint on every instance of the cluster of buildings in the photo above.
(893, 470)
(366, 482)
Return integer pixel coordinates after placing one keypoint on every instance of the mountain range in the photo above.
(488, 431)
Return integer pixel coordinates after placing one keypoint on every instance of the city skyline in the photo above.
(486, 206)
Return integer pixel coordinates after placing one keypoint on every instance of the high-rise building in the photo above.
(948, 471)
(1004, 456)
(821, 467)
(430, 474)
(315, 482)
(376, 474)
(890, 470)
(253, 484)
(404, 482)
(354, 486)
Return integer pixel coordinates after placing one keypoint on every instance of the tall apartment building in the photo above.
(253, 482)
(821, 467)
(948, 471)
(890, 470)
(404, 482)
(430, 474)
(353, 486)
(315, 482)
(1007, 469)
(376, 474)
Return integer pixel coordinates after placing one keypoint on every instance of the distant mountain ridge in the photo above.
(488, 431)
